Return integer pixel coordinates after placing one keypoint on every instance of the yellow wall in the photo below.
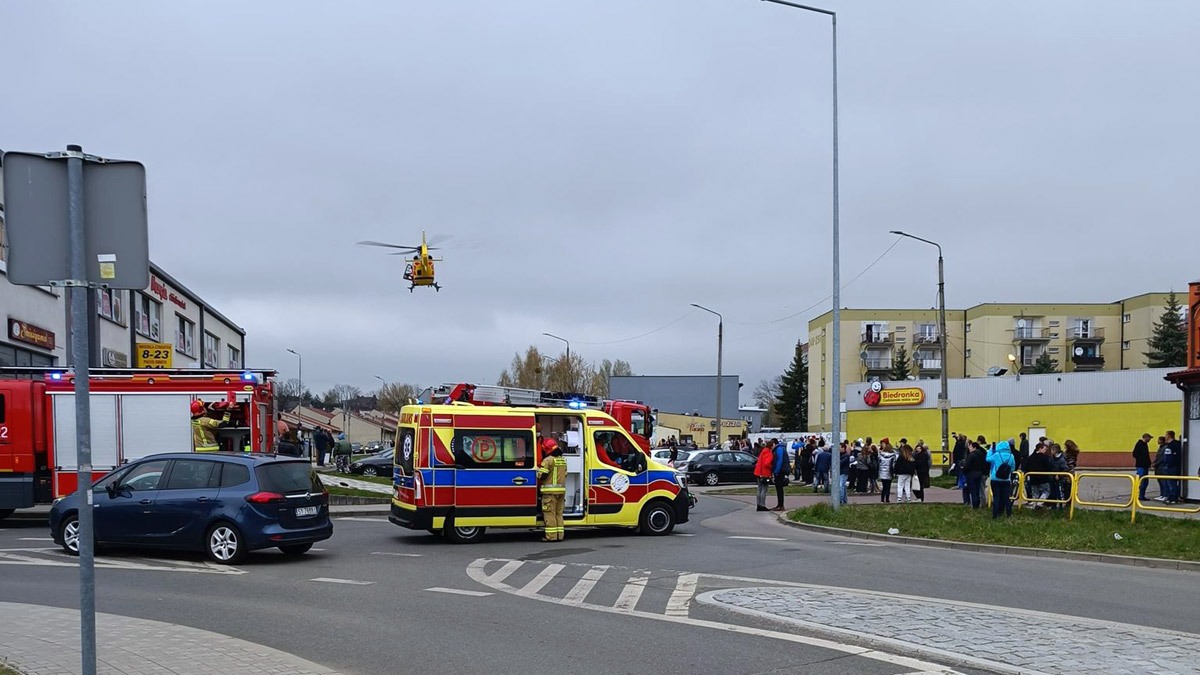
(1097, 427)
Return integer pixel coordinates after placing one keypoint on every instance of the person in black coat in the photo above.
(1142, 462)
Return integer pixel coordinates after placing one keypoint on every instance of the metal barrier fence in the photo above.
(1128, 504)
(1137, 503)
(1022, 499)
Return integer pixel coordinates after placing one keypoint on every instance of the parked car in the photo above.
(223, 503)
(375, 465)
(664, 455)
(375, 447)
(714, 467)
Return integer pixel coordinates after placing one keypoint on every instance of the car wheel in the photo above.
(711, 478)
(463, 535)
(658, 518)
(224, 544)
(295, 549)
(69, 531)
(4, 513)
(370, 471)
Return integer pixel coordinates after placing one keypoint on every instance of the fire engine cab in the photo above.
(134, 413)
(634, 416)
(461, 468)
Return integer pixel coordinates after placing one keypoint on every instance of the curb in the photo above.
(1132, 561)
(358, 513)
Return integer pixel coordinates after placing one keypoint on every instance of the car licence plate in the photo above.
(306, 511)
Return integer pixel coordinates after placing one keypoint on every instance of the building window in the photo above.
(148, 317)
(109, 305)
(1125, 318)
(1125, 345)
(185, 336)
(212, 350)
(235, 357)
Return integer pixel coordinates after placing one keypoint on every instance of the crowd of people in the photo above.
(869, 468)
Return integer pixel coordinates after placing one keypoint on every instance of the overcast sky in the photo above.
(603, 163)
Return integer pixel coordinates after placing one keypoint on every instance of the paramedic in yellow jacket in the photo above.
(204, 428)
(552, 478)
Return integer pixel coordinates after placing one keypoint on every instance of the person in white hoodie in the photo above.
(887, 460)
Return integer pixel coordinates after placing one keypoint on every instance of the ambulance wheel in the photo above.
(463, 535)
(658, 518)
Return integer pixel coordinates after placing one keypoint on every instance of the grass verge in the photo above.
(5, 670)
(382, 480)
(1090, 531)
(789, 490)
(349, 492)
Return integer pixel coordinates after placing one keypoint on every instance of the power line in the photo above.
(642, 335)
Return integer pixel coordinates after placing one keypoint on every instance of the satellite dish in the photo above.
(1079, 351)
(1020, 323)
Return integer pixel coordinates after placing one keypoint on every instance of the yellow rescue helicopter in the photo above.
(419, 270)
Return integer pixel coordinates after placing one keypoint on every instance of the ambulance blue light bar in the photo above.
(576, 405)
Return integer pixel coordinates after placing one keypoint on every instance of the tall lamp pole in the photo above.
(836, 427)
(720, 347)
(300, 377)
(944, 397)
(569, 371)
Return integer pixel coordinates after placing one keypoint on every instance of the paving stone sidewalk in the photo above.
(1060, 644)
(41, 640)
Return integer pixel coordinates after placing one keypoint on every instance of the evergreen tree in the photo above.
(900, 365)
(1044, 364)
(792, 405)
(1168, 345)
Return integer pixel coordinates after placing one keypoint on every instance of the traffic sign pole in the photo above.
(83, 415)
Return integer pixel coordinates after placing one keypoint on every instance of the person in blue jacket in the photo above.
(1003, 464)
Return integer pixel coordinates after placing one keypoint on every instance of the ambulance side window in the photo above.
(486, 449)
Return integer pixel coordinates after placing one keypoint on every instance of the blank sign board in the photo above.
(36, 220)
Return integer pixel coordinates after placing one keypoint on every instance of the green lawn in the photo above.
(5, 670)
(1090, 531)
(345, 492)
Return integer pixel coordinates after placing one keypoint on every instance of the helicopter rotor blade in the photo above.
(439, 239)
(385, 245)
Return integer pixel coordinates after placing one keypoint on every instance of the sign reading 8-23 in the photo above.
(153, 355)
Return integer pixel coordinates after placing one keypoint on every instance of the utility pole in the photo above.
(720, 348)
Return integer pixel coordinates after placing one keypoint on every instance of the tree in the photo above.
(598, 382)
(288, 395)
(526, 372)
(900, 365)
(766, 396)
(1168, 344)
(1045, 365)
(395, 395)
(792, 403)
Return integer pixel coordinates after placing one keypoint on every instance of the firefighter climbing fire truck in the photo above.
(634, 416)
(134, 413)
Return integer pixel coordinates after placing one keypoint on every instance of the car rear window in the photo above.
(288, 478)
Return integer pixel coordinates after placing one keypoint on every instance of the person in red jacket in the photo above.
(764, 468)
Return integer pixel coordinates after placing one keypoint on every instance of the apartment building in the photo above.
(979, 342)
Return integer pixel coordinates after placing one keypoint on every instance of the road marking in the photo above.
(761, 538)
(540, 580)
(685, 588)
(58, 559)
(585, 585)
(13, 559)
(400, 555)
(458, 591)
(362, 520)
(351, 582)
(476, 571)
(35, 539)
(632, 592)
(317, 550)
(684, 534)
(855, 543)
(502, 573)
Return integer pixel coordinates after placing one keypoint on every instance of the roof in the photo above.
(1187, 376)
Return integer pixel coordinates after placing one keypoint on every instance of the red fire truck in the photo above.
(634, 416)
(134, 413)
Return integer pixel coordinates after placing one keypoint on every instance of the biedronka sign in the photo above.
(878, 397)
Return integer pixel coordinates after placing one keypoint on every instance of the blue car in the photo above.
(224, 503)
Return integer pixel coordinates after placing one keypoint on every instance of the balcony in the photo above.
(1089, 334)
(873, 364)
(876, 338)
(934, 365)
(1085, 363)
(1031, 334)
(927, 339)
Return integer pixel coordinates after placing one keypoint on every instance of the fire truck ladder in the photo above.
(500, 395)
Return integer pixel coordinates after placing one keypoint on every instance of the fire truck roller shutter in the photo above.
(104, 431)
(154, 423)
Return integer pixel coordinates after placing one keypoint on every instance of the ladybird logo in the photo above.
(883, 398)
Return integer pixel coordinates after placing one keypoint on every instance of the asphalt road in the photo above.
(390, 620)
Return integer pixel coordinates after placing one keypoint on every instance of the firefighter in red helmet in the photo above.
(552, 477)
(204, 428)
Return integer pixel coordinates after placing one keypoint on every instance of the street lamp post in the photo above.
(300, 377)
(720, 347)
(570, 373)
(944, 397)
(836, 427)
